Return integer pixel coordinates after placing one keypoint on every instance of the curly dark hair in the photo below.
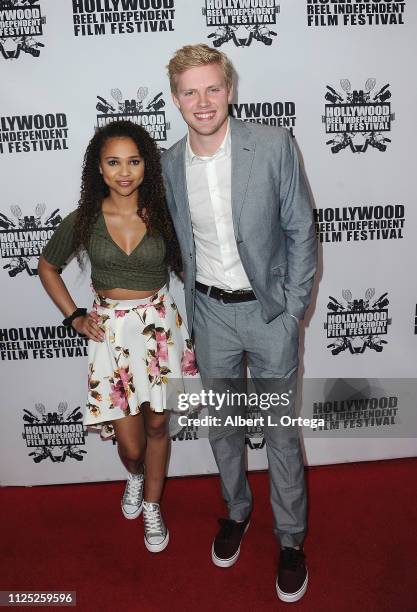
(151, 192)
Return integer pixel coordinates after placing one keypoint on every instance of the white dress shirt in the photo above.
(210, 199)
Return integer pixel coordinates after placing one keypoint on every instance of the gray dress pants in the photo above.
(227, 338)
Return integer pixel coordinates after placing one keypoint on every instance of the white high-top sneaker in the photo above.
(132, 499)
(156, 533)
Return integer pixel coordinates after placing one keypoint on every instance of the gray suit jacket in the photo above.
(272, 218)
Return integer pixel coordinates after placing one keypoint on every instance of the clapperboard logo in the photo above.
(358, 119)
(56, 436)
(254, 436)
(23, 237)
(241, 22)
(357, 323)
(145, 110)
(21, 25)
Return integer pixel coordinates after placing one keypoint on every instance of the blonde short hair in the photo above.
(191, 56)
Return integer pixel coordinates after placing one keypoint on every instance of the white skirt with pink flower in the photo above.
(146, 356)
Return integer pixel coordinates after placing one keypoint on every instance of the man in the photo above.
(243, 219)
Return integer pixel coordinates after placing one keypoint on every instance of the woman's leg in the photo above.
(131, 445)
(157, 447)
(131, 442)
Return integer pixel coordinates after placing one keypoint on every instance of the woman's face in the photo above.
(121, 166)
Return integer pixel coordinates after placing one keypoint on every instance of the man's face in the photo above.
(203, 98)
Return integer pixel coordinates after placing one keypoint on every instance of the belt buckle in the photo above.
(225, 294)
(222, 296)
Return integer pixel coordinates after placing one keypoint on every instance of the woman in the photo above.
(137, 341)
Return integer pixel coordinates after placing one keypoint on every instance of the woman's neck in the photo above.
(123, 205)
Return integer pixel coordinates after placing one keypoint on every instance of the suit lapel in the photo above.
(179, 184)
(243, 151)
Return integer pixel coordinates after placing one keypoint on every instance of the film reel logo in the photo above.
(147, 112)
(358, 119)
(21, 23)
(358, 323)
(56, 435)
(23, 238)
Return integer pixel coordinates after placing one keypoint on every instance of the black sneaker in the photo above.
(292, 579)
(226, 546)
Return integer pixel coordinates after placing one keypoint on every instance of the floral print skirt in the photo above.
(146, 356)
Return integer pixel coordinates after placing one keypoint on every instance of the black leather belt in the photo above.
(227, 297)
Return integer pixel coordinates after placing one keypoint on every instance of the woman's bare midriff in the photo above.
(126, 294)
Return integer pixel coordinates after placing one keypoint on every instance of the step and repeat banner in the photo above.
(339, 75)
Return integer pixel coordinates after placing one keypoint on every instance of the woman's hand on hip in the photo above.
(88, 326)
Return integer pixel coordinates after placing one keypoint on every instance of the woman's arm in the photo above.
(58, 292)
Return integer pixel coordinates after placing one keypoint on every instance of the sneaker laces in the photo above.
(290, 558)
(133, 491)
(153, 519)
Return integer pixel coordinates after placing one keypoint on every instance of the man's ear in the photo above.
(175, 100)
(230, 94)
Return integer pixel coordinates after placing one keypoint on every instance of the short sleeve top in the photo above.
(143, 270)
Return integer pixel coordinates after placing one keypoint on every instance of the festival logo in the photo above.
(100, 17)
(23, 238)
(357, 413)
(241, 21)
(359, 119)
(254, 436)
(357, 324)
(358, 13)
(189, 432)
(276, 114)
(41, 342)
(26, 133)
(54, 435)
(145, 110)
(21, 24)
(359, 223)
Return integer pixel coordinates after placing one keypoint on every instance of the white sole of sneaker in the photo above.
(155, 548)
(132, 515)
(292, 597)
(227, 562)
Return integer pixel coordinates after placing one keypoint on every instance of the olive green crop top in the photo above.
(143, 270)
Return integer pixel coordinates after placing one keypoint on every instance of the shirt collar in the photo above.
(224, 149)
